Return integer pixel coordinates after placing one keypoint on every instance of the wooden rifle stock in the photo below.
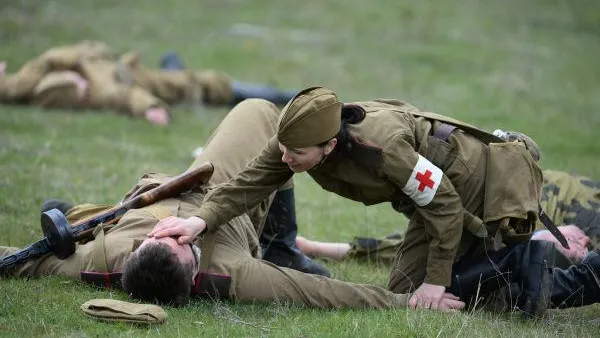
(174, 187)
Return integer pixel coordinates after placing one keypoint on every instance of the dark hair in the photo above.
(154, 273)
(351, 114)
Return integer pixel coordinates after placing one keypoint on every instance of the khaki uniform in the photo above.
(566, 199)
(234, 249)
(440, 231)
(122, 84)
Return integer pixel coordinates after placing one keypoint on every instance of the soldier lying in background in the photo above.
(89, 75)
(566, 199)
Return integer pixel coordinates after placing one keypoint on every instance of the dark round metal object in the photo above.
(58, 230)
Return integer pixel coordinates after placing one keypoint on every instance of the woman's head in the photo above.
(307, 128)
(311, 118)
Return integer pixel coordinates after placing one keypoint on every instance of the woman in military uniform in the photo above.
(467, 192)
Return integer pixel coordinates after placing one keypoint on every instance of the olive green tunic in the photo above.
(121, 84)
(436, 235)
(236, 249)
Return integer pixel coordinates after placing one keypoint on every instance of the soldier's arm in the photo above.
(68, 57)
(263, 175)
(256, 280)
(436, 201)
(137, 102)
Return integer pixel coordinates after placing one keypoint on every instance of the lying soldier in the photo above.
(225, 263)
(89, 75)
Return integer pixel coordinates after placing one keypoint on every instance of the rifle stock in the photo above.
(173, 187)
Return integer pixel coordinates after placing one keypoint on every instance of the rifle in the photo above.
(60, 236)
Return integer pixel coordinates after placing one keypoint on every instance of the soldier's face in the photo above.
(303, 159)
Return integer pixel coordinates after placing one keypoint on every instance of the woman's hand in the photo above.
(185, 229)
(428, 296)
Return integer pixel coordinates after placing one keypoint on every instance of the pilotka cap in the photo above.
(312, 117)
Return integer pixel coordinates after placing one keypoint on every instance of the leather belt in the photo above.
(443, 131)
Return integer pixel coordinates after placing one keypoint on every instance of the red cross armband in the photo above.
(423, 182)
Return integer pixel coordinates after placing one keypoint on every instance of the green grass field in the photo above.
(528, 65)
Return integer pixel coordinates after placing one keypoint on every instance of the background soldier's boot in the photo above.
(278, 239)
(61, 205)
(245, 90)
(578, 285)
(240, 90)
(171, 61)
(527, 264)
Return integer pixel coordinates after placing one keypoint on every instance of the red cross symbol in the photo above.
(424, 180)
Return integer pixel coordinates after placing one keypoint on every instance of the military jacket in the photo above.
(400, 136)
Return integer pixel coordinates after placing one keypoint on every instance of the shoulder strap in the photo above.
(211, 285)
(483, 136)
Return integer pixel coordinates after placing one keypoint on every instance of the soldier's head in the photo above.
(61, 89)
(161, 270)
(307, 128)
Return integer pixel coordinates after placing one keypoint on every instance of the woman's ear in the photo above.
(330, 146)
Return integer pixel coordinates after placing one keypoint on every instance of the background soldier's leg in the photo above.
(240, 91)
(278, 238)
(376, 249)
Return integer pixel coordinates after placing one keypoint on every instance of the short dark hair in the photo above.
(154, 273)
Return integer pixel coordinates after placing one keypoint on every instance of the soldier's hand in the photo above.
(450, 302)
(578, 241)
(427, 296)
(185, 229)
(157, 115)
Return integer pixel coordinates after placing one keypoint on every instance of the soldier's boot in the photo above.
(61, 205)
(245, 90)
(578, 285)
(526, 264)
(171, 61)
(278, 239)
(240, 90)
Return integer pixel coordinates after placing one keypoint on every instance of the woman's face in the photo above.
(302, 159)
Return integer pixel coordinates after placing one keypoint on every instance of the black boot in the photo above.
(278, 238)
(244, 90)
(62, 206)
(526, 264)
(171, 61)
(578, 285)
(240, 90)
